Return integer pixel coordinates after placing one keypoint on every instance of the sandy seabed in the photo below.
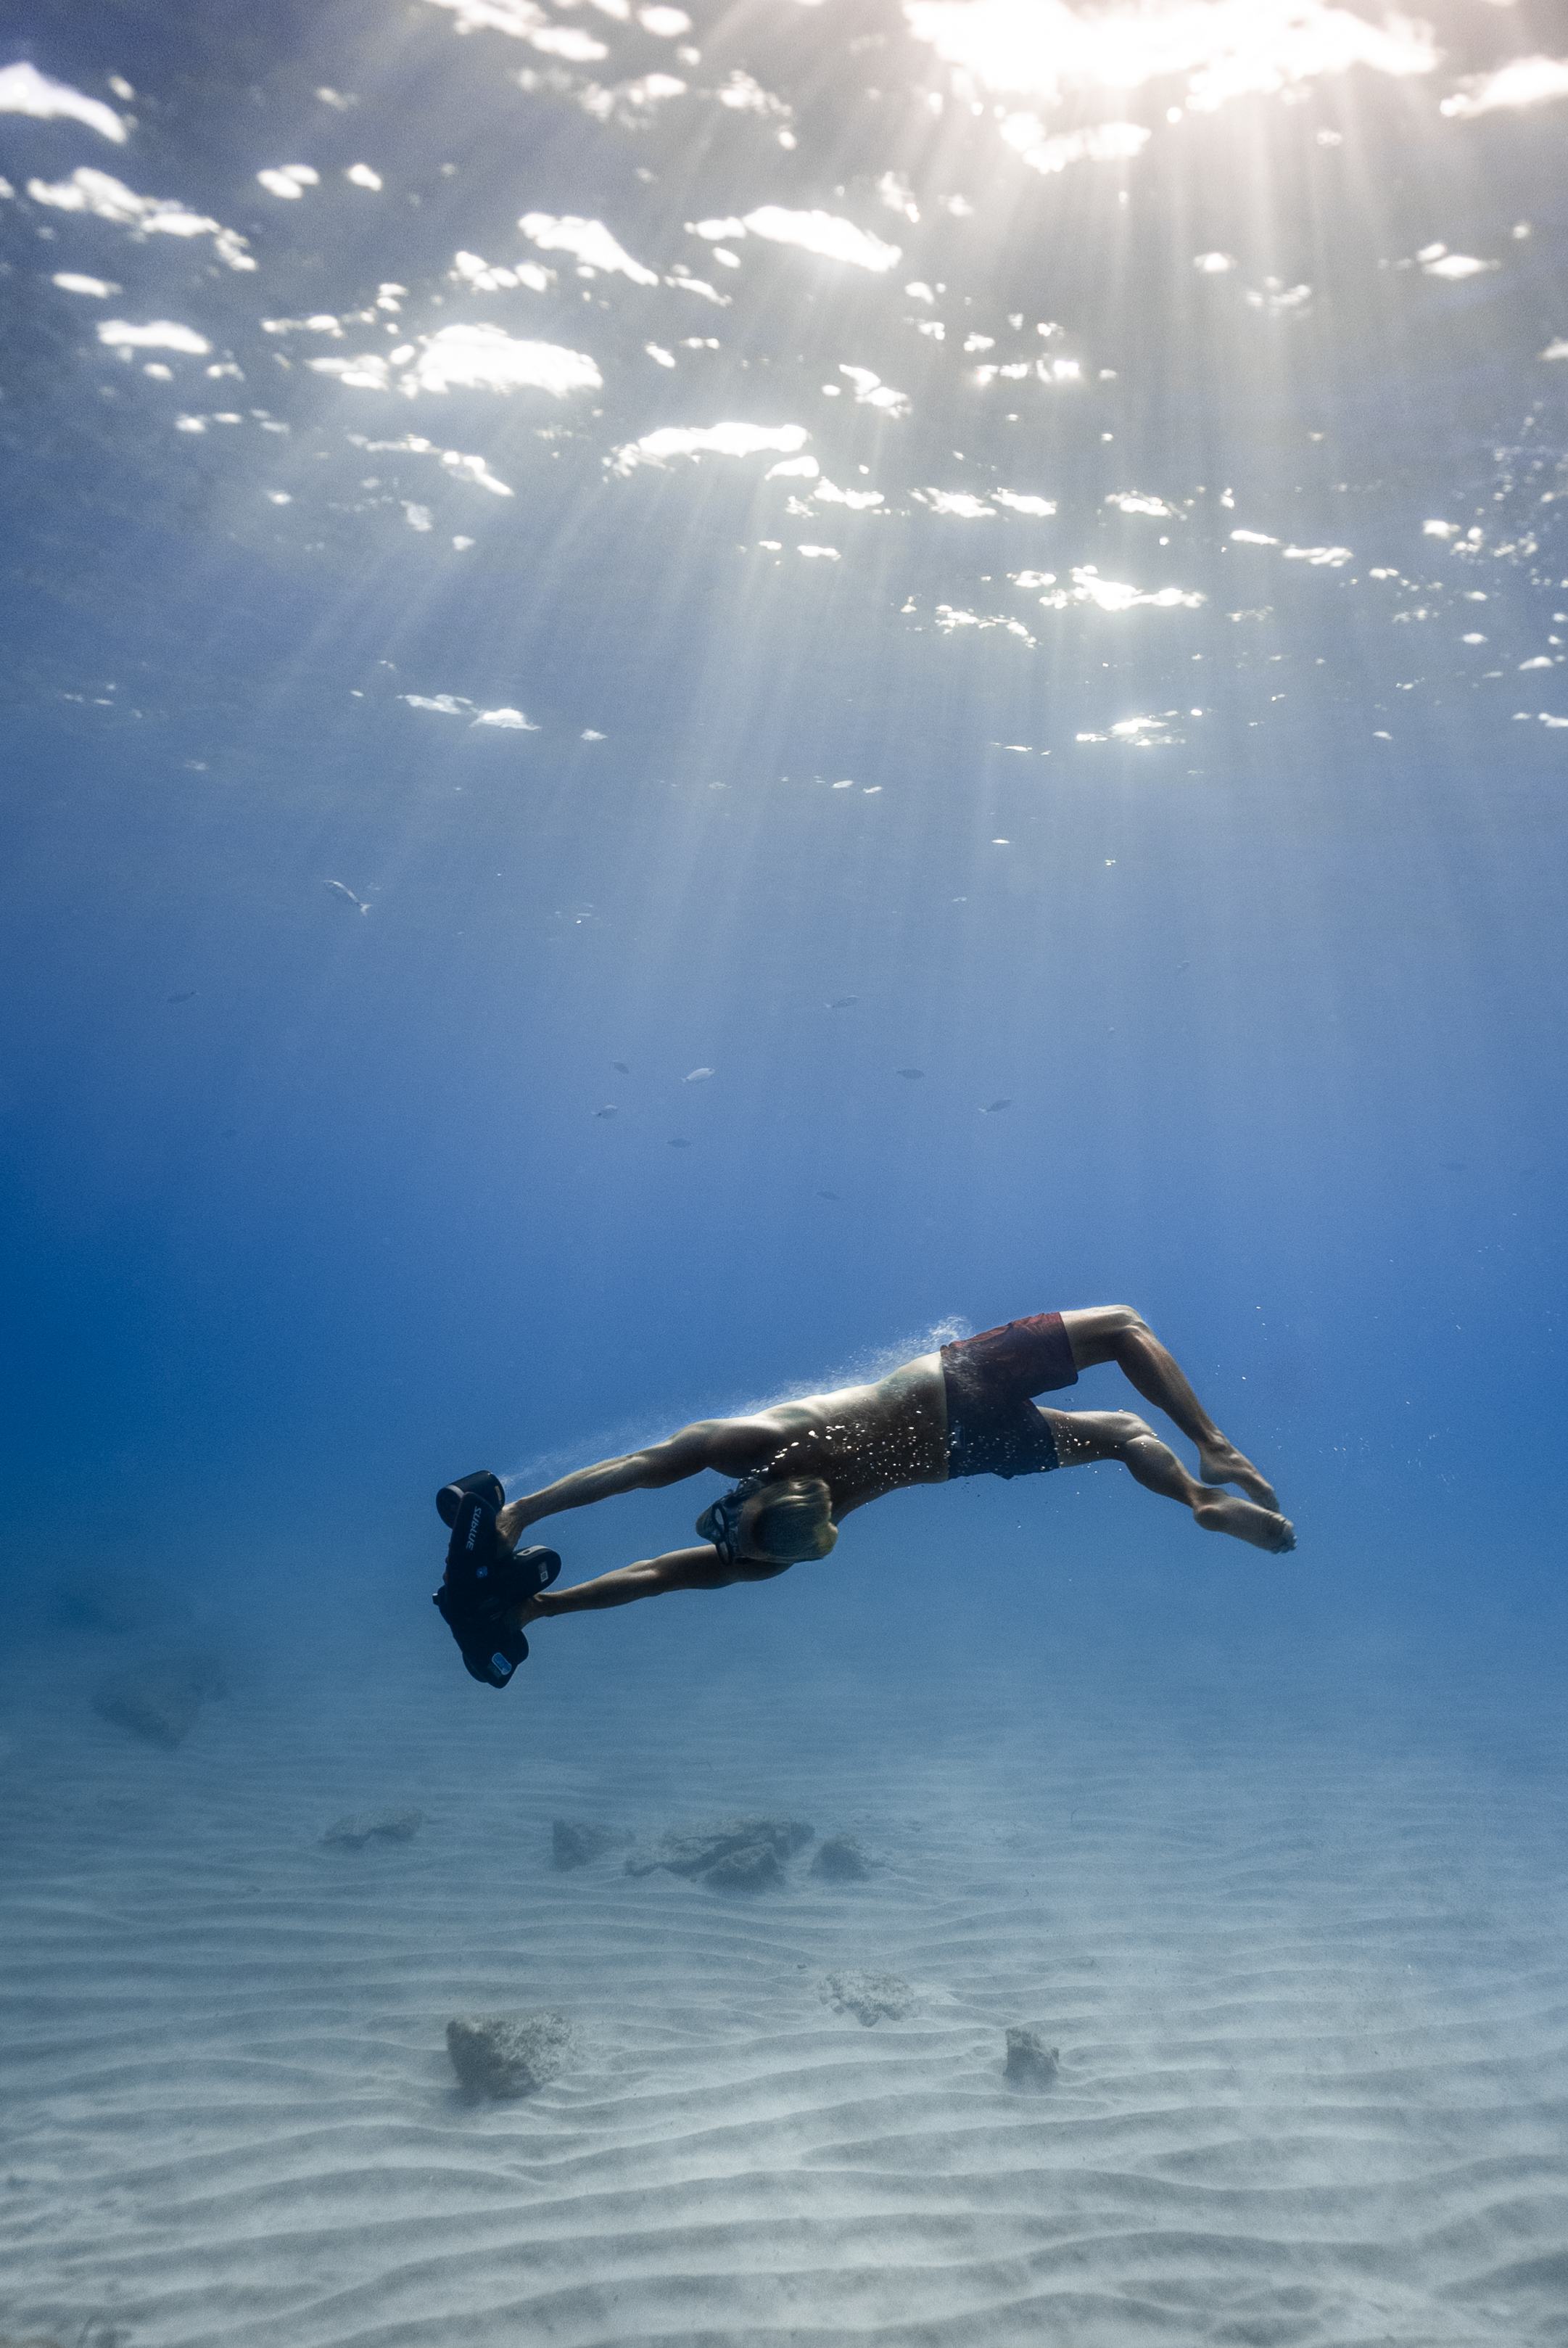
(1310, 1992)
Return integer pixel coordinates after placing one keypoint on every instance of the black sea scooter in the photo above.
(484, 1580)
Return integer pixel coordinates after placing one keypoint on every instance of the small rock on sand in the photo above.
(495, 2055)
(576, 1843)
(386, 1826)
(735, 1854)
(1031, 2063)
(871, 1997)
(840, 1859)
(159, 1701)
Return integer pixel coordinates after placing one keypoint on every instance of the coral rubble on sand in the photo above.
(387, 1825)
(159, 1701)
(735, 1854)
(840, 1859)
(871, 1997)
(574, 1843)
(497, 2055)
(1031, 2063)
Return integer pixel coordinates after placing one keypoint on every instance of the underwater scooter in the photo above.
(484, 1580)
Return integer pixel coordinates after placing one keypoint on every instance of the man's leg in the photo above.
(1114, 1333)
(1084, 1437)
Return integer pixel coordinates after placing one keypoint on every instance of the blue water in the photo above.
(476, 871)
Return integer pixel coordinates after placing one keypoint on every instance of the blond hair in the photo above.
(789, 1523)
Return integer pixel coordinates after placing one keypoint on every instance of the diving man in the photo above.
(965, 1410)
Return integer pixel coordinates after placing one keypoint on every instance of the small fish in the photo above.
(357, 902)
(608, 1110)
(620, 1067)
(992, 1108)
(910, 1072)
(190, 997)
(843, 1001)
(696, 1075)
(828, 1194)
(678, 1143)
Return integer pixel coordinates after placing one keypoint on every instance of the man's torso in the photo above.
(863, 1441)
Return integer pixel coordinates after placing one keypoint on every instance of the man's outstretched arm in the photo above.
(730, 1444)
(679, 1568)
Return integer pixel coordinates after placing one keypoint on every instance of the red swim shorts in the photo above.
(993, 1427)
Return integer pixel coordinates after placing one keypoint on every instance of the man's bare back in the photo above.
(963, 1410)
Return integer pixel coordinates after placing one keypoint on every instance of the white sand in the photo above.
(1309, 1990)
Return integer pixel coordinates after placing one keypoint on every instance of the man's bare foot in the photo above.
(1221, 1463)
(1264, 1528)
(513, 1520)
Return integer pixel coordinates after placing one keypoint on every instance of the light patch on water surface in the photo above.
(793, 469)
(1331, 558)
(1213, 265)
(568, 41)
(474, 469)
(710, 439)
(512, 721)
(1555, 349)
(1117, 595)
(101, 196)
(24, 90)
(857, 500)
(445, 704)
(1226, 48)
(1021, 503)
(630, 103)
(462, 466)
(1524, 81)
(1254, 537)
(69, 281)
(957, 503)
(1134, 501)
(870, 391)
(322, 323)
(821, 553)
(470, 358)
(360, 175)
(290, 181)
(1279, 300)
(517, 18)
(158, 334)
(684, 282)
(522, 21)
(949, 616)
(1145, 733)
(489, 277)
(1104, 142)
(743, 95)
(589, 240)
(1437, 261)
(898, 196)
(824, 233)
